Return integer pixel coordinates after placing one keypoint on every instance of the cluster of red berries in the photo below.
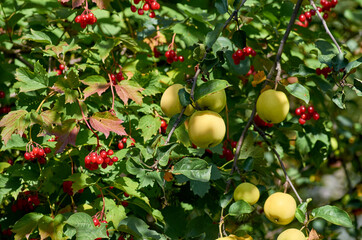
(171, 56)
(97, 223)
(156, 53)
(93, 159)
(86, 19)
(325, 71)
(4, 109)
(251, 71)
(260, 122)
(240, 54)
(37, 153)
(227, 152)
(306, 114)
(25, 202)
(123, 238)
(122, 143)
(117, 77)
(53, 139)
(6, 232)
(306, 17)
(68, 188)
(164, 126)
(60, 70)
(146, 5)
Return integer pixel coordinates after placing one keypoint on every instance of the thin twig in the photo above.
(326, 26)
(175, 125)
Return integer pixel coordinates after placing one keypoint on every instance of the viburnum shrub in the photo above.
(151, 119)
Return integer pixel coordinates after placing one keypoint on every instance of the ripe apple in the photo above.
(280, 208)
(291, 234)
(215, 101)
(272, 106)
(234, 237)
(170, 102)
(247, 192)
(206, 129)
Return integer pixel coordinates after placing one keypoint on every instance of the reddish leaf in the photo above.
(105, 122)
(129, 90)
(50, 117)
(13, 122)
(102, 4)
(77, 3)
(97, 84)
(67, 133)
(313, 235)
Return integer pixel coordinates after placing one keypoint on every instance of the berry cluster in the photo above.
(325, 71)
(97, 224)
(306, 17)
(86, 19)
(171, 56)
(240, 54)
(164, 126)
(260, 122)
(7, 232)
(227, 152)
(146, 5)
(68, 188)
(122, 143)
(306, 114)
(37, 152)
(53, 139)
(60, 70)
(4, 109)
(123, 238)
(117, 77)
(25, 202)
(156, 53)
(93, 159)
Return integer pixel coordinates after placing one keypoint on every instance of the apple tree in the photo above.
(151, 119)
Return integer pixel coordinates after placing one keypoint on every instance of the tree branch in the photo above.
(325, 26)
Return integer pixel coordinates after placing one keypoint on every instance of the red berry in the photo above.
(47, 150)
(325, 16)
(133, 141)
(96, 222)
(136, 1)
(133, 8)
(61, 67)
(41, 152)
(35, 150)
(167, 54)
(334, 3)
(114, 159)
(302, 121)
(78, 19)
(87, 160)
(155, 5)
(146, 7)
(181, 58)
(302, 17)
(248, 50)
(308, 15)
(99, 160)
(120, 145)
(113, 77)
(140, 11)
(236, 61)
(119, 76)
(319, 9)
(81, 190)
(303, 116)
(163, 123)
(152, 15)
(59, 72)
(172, 53)
(124, 203)
(175, 58)
(103, 154)
(110, 152)
(318, 71)
(253, 53)
(104, 165)
(311, 109)
(124, 140)
(239, 53)
(302, 109)
(10, 161)
(126, 194)
(297, 111)
(315, 116)
(2, 94)
(93, 159)
(27, 156)
(233, 144)
(313, 12)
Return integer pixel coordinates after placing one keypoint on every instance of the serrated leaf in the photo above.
(137, 228)
(104, 47)
(298, 91)
(194, 169)
(31, 81)
(106, 122)
(115, 213)
(13, 122)
(53, 228)
(199, 188)
(163, 153)
(96, 84)
(210, 87)
(131, 187)
(333, 215)
(240, 207)
(67, 133)
(300, 212)
(80, 181)
(213, 35)
(129, 90)
(239, 39)
(149, 126)
(303, 71)
(26, 225)
(338, 99)
(85, 228)
(38, 36)
(3, 166)
(77, 3)
(354, 64)
(102, 4)
(50, 117)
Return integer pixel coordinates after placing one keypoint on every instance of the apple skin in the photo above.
(170, 102)
(247, 192)
(215, 101)
(234, 237)
(272, 106)
(291, 234)
(280, 208)
(206, 129)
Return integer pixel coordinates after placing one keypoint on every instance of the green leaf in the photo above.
(240, 207)
(96, 84)
(213, 35)
(194, 169)
(163, 153)
(13, 122)
(26, 225)
(352, 65)
(333, 215)
(241, 69)
(149, 126)
(199, 53)
(199, 188)
(137, 228)
(104, 47)
(38, 36)
(53, 228)
(210, 87)
(3, 166)
(239, 39)
(303, 71)
(83, 223)
(299, 91)
(221, 6)
(80, 181)
(357, 84)
(184, 97)
(338, 99)
(31, 81)
(301, 210)
(248, 164)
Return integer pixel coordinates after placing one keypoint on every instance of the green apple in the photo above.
(291, 234)
(234, 237)
(215, 101)
(272, 106)
(206, 129)
(280, 208)
(170, 102)
(247, 192)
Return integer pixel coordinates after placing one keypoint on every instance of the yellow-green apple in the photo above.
(272, 106)
(280, 208)
(206, 129)
(247, 192)
(215, 101)
(170, 102)
(291, 234)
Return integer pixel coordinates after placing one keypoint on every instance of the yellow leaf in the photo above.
(259, 77)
